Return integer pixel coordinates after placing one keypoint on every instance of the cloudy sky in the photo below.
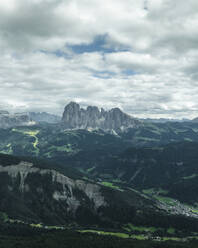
(139, 55)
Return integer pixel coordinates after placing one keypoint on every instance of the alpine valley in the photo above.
(97, 178)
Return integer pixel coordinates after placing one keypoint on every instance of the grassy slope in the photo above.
(21, 236)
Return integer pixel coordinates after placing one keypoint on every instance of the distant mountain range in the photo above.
(44, 117)
(74, 117)
(8, 120)
(164, 120)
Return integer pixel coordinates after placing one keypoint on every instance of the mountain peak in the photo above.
(72, 105)
(75, 117)
(116, 111)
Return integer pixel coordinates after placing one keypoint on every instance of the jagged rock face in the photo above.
(34, 192)
(44, 117)
(8, 120)
(47, 189)
(75, 117)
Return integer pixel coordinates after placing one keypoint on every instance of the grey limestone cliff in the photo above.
(75, 117)
(34, 184)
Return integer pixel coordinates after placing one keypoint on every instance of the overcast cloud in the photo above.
(139, 55)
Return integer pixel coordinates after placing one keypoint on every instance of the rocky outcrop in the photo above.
(33, 184)
(8, 120)
(75, 117)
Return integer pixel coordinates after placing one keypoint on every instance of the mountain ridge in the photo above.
(44, 117)
(8, 120)
(33, 193)
(75, 117)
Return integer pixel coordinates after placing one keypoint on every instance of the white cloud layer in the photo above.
(150, 68)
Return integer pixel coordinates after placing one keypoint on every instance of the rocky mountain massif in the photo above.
(8, 120)
(75, 117)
